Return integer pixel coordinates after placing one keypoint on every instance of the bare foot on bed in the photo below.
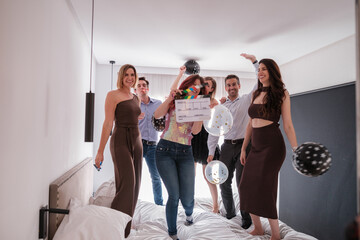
(257, 232)
(274, 238)
(215, 209)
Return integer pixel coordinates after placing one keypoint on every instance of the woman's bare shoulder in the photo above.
(286, 93)
(113, 92)
(113, 96)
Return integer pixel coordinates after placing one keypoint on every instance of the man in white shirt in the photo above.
(231, 148)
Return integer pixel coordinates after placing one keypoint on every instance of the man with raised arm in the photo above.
(231, 148)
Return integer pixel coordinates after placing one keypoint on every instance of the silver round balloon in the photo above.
(221, 121)
(216, 172)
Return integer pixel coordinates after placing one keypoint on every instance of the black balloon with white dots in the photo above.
(311, 159)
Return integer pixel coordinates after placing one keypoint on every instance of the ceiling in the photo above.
(163, 33)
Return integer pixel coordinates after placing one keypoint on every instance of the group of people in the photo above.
(254, 147)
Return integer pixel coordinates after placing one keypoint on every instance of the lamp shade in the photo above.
(89, 117)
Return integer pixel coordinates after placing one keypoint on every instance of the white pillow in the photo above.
(105, 194)
(103, 201)
(92, 222)
(106, 188)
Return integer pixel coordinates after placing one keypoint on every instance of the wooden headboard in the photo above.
(78, 183)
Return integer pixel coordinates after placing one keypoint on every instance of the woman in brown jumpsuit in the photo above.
(258, 185)
(123, 107)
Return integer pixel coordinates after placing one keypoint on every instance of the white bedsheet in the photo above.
(149, 223)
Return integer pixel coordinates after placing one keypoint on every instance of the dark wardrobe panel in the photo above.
(322, 206)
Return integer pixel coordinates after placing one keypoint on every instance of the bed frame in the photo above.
(77, 182)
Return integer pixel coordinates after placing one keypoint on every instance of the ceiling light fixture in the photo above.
(112, 72)
(90, 97)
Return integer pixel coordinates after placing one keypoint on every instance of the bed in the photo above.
(75, 183)
(91, 218)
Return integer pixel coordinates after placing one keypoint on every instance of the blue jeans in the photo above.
(149, 155)
(175, 163)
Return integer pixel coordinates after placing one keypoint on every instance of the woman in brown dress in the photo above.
(123, 107)
(258, 185)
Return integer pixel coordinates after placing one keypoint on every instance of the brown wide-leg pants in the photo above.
(126, 152)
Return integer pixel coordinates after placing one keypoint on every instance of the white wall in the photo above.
(328, 66)
(102, 85)
(44, 74)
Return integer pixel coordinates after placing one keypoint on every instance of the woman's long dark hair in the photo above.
(188, 82)
(275, 93)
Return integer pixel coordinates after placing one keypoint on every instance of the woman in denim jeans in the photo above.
(174, 157)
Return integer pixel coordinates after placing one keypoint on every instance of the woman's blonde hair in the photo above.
(122, 73)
